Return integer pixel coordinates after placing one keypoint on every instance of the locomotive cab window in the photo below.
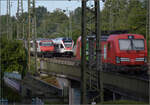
(131, 44)
(125, 44)
(138, 44)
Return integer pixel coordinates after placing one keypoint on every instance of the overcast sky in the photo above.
(49, 4)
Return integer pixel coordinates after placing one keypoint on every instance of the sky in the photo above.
(49, 4)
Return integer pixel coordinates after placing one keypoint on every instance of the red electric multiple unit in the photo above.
(121, 51)
(45, 47)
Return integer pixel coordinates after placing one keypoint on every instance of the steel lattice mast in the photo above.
(85, 91)
(83, 55)
(20, 21)
(31, 30)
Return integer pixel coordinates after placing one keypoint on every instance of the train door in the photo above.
(110, 52)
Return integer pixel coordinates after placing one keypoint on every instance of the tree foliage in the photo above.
(115, 15)
(125, 15)
(13, 56)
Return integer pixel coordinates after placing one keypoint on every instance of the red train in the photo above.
(45, 47)
(52, 47)
(121, 51)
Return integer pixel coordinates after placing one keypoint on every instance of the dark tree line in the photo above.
(116, 15)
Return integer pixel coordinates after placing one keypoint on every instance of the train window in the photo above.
(56, 46)
(138, 44)
(133, 44)
(40, 43)
(61, 46)
(125, 44)
(46, 43)
(68, 44)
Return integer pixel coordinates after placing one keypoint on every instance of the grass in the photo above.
(11, 95)
(123, 102)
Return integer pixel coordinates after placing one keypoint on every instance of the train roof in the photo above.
(103, 38)
(59, 40)
(43, 39)
(63, 38)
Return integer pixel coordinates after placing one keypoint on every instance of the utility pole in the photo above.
(34, 32)
(98, 47)
(0, 59)
(10, 21)
(8, 18)
(83, 55)
(29, 32)
(32, 21)
(148, 40)
(20, 23)
(70, 24)
(0, 20)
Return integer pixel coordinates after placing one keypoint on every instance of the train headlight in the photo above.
(117, 60)
(145, 59)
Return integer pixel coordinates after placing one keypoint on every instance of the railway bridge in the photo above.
(132, 87)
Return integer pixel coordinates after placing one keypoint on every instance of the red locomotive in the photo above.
(121, 51)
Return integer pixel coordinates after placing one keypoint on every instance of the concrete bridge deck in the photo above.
(133, 87)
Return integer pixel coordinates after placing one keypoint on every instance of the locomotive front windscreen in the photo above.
(46, 44)
(138, 44)
(131, 44)
(68, 43)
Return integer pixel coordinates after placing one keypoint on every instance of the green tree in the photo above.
(124, 15)
(137, 17)
(13, 56)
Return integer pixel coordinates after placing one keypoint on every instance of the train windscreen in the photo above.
(68, 43)
(46, 44)
(138, 44)
(125, 44)
(134, 44)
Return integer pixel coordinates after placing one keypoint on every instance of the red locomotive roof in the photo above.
(124, 36)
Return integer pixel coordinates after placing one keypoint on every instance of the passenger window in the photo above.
(40, 43)
(56, 45)
(61, 46)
